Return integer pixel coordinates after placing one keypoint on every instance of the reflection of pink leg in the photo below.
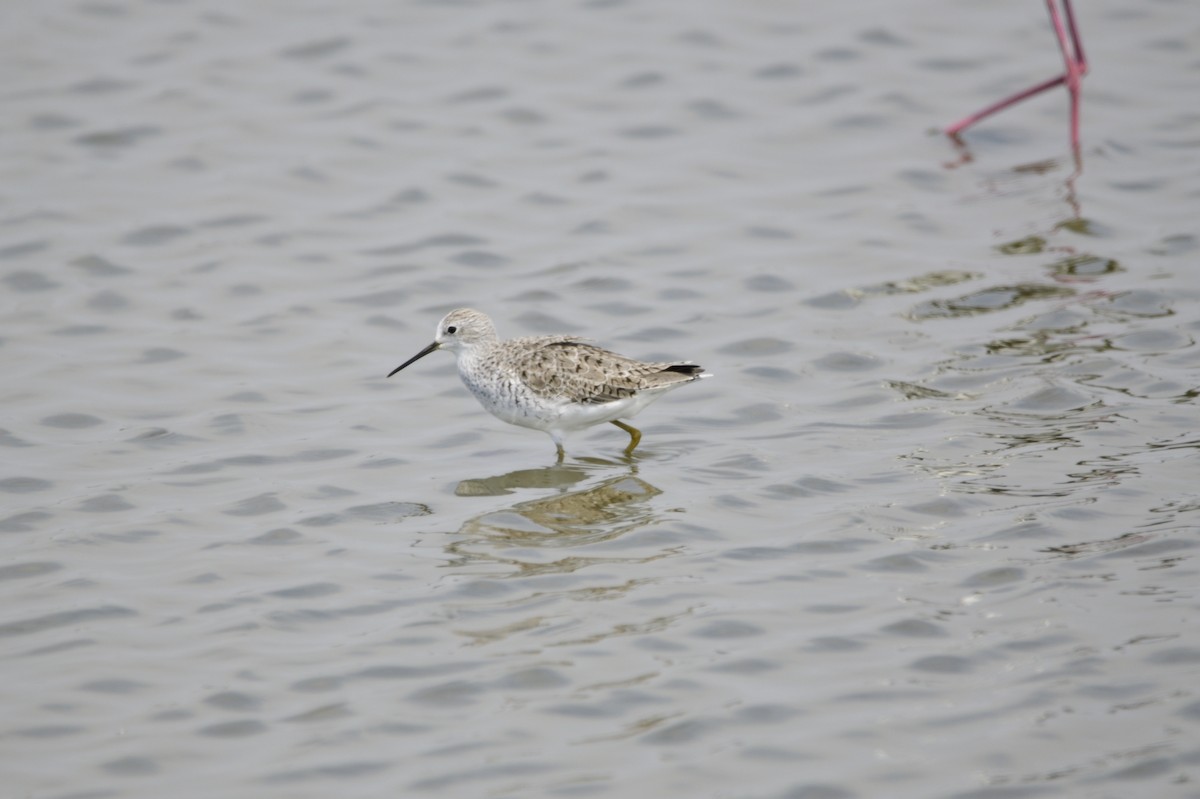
(1076, 68)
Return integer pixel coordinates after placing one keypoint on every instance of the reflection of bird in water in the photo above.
(1076, 67)
(555, 477)
(557, 384)
(528, 535)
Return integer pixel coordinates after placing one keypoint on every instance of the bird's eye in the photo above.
(452, 330)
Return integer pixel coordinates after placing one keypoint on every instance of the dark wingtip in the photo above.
(690, 369)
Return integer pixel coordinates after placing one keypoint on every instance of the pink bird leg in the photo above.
(1076, 67)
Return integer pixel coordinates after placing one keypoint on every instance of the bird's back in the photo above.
(566, 368)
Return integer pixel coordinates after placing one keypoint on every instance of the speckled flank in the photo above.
(552, 383)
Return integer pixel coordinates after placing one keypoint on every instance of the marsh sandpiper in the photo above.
(557, 384)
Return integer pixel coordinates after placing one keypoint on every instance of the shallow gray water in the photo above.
(929, 532)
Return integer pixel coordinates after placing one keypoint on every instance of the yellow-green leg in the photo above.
(561, 451)
(635, 435)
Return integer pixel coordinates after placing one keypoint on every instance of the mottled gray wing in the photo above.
(581, 372)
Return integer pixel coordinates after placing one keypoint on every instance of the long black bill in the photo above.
(416, 357)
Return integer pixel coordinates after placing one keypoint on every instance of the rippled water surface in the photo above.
(930, 530)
